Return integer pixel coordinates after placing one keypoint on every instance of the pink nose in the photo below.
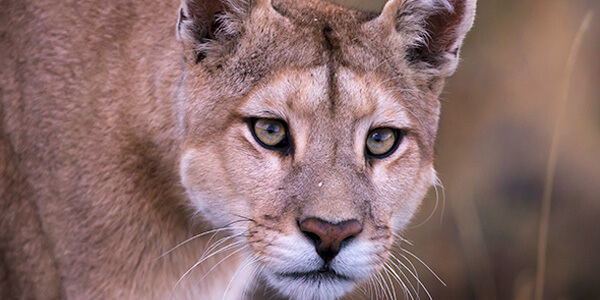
(328, 237)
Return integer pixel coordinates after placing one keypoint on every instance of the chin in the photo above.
(311, 285)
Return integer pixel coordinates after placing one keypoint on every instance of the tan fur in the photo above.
(120, 138)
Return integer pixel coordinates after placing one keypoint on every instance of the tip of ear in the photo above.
(389, 12)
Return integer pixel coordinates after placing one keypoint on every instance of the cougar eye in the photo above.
(382, 142)
(270, 133)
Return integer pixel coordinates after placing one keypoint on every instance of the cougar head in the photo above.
(311, 127)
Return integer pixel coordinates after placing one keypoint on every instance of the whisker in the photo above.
(219, 242)
(243, 217)
(375, 290)
(366, 288)
(418, 281)
(362, 288)
(395, 274)
(399, 266)
(385, 291)
(402, 239)
(378, 280)
(437, 200)
(426, 266)
(220, 262)
(412, 266)
(212, 245)
(242, 266)
(415, 289)
(201, 260)
(390, 283)
(253, 276)
(195, 237)
(371, 288)
(438, 183)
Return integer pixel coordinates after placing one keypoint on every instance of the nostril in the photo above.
(313, 237)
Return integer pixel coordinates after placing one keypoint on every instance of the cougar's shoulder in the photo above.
(88, 144)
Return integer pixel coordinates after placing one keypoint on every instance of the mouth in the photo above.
(317, 275)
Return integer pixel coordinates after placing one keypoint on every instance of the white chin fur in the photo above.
(300, 289)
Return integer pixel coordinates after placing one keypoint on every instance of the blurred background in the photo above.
(498, 116)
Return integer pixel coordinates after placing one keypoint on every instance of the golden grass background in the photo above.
(498, 117)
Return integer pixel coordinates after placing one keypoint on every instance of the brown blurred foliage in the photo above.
(498, 117)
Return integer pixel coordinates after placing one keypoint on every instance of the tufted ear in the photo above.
(205, 23)
(432, 30)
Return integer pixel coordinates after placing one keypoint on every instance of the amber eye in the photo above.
(270, 133)
(382, 142)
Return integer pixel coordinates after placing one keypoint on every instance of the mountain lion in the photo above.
(290, 139)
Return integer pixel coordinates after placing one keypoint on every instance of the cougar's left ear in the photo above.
(432, 31)
(205, 25)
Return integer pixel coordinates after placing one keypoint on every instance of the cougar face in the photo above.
(303, 130)
(309, 129)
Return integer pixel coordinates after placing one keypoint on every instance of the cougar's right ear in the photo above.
(204, 24)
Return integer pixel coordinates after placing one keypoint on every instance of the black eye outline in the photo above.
(284, 146)
(399, 135)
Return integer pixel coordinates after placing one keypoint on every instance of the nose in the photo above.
(328, 237)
